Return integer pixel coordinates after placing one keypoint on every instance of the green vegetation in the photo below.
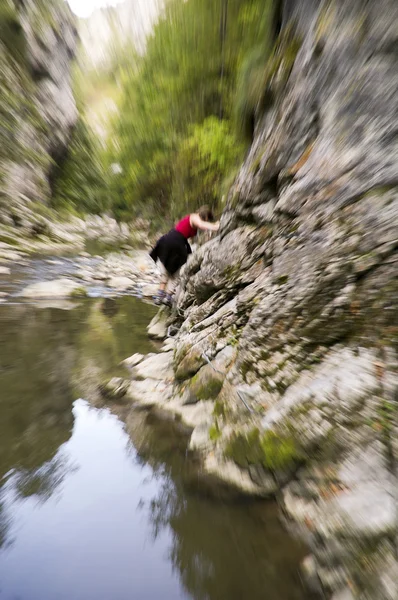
(80, 184)
(159, 133)
(179, 135)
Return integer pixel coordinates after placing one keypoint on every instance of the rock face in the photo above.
(37, 45)
(301, 285)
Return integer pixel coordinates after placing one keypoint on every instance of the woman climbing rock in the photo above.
(172, 250)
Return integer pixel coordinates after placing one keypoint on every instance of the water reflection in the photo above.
(221, 550)
(87, 515)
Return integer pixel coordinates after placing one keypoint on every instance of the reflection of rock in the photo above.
(58, 288)
(36, 358)
(109, 307)
(217, 546)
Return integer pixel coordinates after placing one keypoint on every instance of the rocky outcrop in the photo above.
(38, 110)
(300, 290)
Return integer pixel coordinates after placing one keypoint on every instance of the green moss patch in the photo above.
(273, 451)
(214, 432)
(206, 385)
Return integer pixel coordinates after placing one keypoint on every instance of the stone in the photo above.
(200, 439)
(301, 282)
(58, 288)
(133, 360)
(121, 284)
(115, 389)
(205, 385)
(4, 270)
(154, 366)
(149, 290)
(150, 392)
(367, 507)
(157, 328)
(43, 91)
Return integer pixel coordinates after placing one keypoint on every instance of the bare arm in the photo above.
(198, 223)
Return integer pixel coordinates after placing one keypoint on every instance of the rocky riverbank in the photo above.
(294, 304)
(56, 264)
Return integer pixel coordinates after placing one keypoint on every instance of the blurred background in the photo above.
(165, 93)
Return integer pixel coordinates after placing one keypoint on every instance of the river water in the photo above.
(92, 508)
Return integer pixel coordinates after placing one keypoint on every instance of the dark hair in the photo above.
(205, 213)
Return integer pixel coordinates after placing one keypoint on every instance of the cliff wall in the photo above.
(294, 304)
(37, 108)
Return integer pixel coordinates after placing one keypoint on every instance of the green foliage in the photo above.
(176, 134)
(80, 184)
(202, 161)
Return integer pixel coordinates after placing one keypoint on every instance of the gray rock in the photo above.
(155, 366)
(58, 288)
(120, 284)
(40, 110)
(149, 290)
(133, 360)
(157, 328)
(115, 389)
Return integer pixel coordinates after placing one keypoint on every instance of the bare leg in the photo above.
(164, 278)
(172, 283)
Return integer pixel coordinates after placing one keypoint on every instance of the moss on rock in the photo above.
(206, 384)
(273, 451)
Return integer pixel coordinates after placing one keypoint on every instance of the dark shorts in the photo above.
(172, 249)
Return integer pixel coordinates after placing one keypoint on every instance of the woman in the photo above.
(172, 250)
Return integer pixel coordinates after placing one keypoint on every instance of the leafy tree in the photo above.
(80, 184)
(177, 135)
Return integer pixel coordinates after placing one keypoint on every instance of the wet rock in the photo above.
(133, 360)
(115, 389)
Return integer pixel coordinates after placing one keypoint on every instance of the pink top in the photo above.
(185, 227)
